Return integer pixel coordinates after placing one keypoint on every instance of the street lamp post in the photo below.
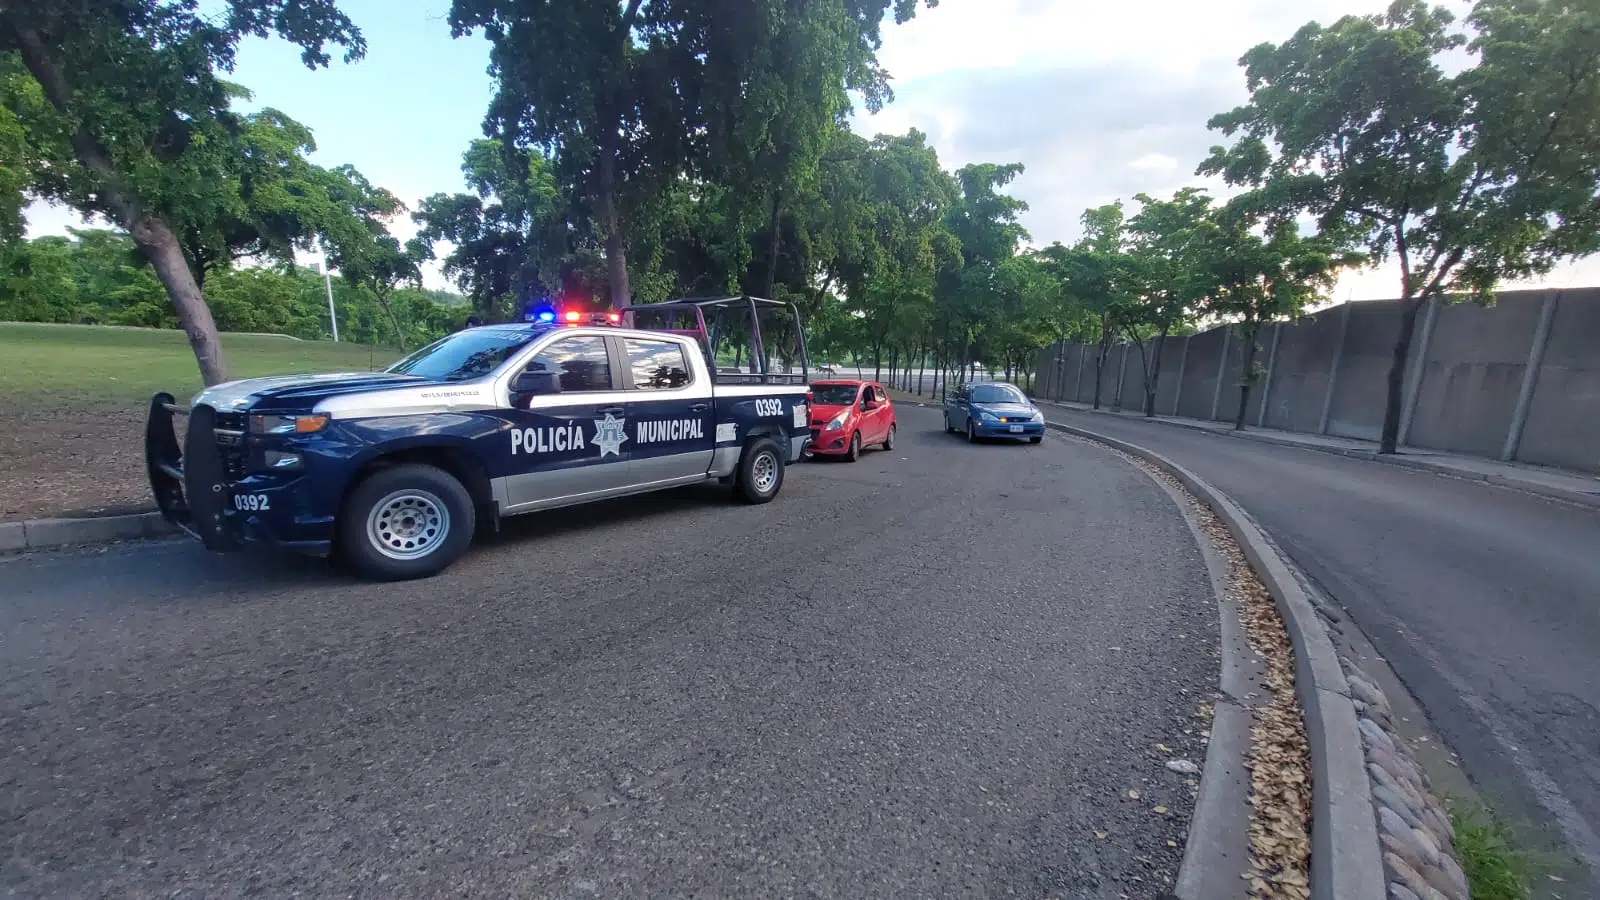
(327, 281)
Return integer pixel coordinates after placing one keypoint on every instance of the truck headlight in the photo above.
(288, 424)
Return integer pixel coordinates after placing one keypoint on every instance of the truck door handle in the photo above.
(611, 411)
(699, 407)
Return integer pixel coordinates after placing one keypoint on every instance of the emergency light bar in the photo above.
(579, 317)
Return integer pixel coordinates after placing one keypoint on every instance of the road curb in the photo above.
(1346, 859)
(1398, 460)
(40, 534)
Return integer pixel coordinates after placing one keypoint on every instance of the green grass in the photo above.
(123, 364)
(1495, 868)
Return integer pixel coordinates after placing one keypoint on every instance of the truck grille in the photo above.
(230, 433)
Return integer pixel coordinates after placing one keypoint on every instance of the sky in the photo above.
(1099, 101)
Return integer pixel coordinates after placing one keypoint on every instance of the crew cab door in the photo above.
(569, 445)
(670, 417)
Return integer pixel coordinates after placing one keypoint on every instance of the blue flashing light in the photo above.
(547, 316)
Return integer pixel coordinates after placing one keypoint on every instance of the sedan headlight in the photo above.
(837, 422)
(987, 416)
(1038, 416)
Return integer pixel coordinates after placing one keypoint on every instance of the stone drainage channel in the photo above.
(1338, 808)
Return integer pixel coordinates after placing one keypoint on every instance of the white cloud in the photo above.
(1154, 162)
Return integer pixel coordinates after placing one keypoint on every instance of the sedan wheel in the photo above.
(972, 432)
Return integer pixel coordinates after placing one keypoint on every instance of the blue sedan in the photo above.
(993, 409)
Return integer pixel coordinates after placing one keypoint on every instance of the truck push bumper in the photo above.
(189, 484)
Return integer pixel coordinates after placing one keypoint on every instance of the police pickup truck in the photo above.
(395, 470)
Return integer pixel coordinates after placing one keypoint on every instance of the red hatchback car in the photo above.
(847, 415)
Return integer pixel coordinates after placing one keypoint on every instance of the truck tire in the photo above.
(760, 471)
(408, 521)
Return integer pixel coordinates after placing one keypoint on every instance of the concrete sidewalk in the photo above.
(1576, 487)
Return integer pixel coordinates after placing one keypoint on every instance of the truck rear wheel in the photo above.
(760, 471)
(409, 521)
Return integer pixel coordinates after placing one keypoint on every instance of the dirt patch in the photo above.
(71, 459)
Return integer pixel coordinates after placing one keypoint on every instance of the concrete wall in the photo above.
(1469, 386)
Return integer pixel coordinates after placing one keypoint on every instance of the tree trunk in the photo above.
(399, 335)
(160, 246)
(922, 366)
(1153, 383)
(894, 362)
(774, 244)
(611, 218)
(1390, 440)
(1249, 333)
(149, 233)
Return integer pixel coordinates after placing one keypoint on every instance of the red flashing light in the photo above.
(573, 316)
(613, 317)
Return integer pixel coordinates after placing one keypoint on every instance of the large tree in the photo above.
(627, 97)
(509, 237)
(985, 223)
(1099, 274)
(1258, 269)
(135, 114)
(1167, 245)
(1462, 180)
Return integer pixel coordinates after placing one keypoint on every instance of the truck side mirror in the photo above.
(531, 383)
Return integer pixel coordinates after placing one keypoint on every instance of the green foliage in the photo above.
(509, 238)
(626, 99)
(135, 122)
(1495, 868)
(135, 83)
(97, 278)
(1463, 180)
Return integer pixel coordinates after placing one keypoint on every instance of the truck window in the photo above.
(581, 363)
(657, 365)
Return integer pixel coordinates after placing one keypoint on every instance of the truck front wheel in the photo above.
(408, 521)
(760, 471)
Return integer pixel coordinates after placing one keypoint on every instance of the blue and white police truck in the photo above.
(395, 470)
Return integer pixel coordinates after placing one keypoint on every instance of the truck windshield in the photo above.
(833, 394)
(463, 355)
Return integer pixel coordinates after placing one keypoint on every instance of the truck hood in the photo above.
(295, 392)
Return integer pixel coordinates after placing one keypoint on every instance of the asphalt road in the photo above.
(1484, 601)
(935, 672)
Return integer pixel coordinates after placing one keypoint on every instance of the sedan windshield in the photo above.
(997, 393)
(833, 394)
(463, 355)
